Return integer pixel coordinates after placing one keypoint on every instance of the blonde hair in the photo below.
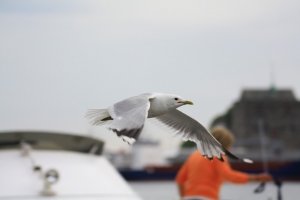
(223, 135)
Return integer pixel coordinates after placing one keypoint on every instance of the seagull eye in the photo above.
(176, 99)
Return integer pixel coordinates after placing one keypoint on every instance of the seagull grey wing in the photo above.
(190, 129)
(129, 116)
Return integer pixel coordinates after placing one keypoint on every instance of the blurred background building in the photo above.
(279, 113)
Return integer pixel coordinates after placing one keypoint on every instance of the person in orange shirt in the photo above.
(201, 179)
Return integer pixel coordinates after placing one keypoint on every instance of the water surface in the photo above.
(167, 190)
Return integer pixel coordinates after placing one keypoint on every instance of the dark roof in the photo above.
(50, 141)
(268, 95)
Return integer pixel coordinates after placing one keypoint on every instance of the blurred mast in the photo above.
(261, 186)
(263, 144)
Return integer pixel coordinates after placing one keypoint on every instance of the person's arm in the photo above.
(263, 177)
(240, 177)
(233, 175)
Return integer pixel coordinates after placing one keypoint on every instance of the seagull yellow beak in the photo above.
(188, 102)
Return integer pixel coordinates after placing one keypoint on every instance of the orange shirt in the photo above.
(202, 177)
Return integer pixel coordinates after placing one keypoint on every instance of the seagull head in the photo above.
(175, 101)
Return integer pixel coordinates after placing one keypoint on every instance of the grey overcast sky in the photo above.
(60, 58)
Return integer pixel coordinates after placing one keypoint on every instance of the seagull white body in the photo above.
(126, 118)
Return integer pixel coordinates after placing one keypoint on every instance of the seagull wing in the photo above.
(129, 116)
(190, 129)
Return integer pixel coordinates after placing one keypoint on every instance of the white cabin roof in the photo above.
(82, 176)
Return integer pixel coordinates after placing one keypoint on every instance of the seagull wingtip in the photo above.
(247, 160)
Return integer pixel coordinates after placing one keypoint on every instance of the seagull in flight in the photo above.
(127, 118)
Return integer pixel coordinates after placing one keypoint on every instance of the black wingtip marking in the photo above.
(220, 158)
(131, 133)
(230, 155)
(124, 140)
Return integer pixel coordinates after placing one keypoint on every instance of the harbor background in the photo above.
(167, 190)
(60, 58)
